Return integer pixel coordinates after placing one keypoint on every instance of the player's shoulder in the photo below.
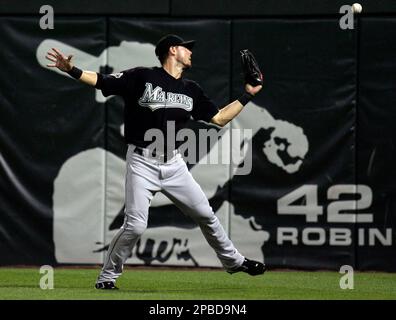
(136, 70)
(191, 83)
(133, 73)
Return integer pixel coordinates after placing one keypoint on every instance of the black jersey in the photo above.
(153, 98)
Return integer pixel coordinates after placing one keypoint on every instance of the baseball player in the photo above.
(153, 97)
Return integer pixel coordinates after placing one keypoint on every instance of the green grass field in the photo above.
(136, 284)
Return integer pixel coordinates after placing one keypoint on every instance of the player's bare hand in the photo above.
(252, 90)
(61, 61)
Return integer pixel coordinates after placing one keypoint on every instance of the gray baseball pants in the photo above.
(147, 175)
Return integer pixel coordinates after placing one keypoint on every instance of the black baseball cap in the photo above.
(171, 40)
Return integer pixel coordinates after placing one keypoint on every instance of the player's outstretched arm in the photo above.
(231, 110)
(253, 79)
(64, 64)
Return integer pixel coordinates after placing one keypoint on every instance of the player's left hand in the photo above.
(253, 90)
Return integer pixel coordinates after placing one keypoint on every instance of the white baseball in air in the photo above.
(357, 8)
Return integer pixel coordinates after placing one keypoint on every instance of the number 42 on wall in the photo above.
(312, 210)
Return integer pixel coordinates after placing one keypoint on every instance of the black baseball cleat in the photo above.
(107, 285)
(254, 268)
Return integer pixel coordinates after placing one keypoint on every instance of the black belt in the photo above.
(164, 157)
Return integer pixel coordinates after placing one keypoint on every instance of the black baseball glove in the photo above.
(250, 68)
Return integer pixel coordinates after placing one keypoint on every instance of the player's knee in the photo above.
(139, 228)
(135, 226)
(206, 217)
(202, 211)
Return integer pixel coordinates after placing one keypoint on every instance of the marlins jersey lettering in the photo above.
(157, 98)
(153, 97)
